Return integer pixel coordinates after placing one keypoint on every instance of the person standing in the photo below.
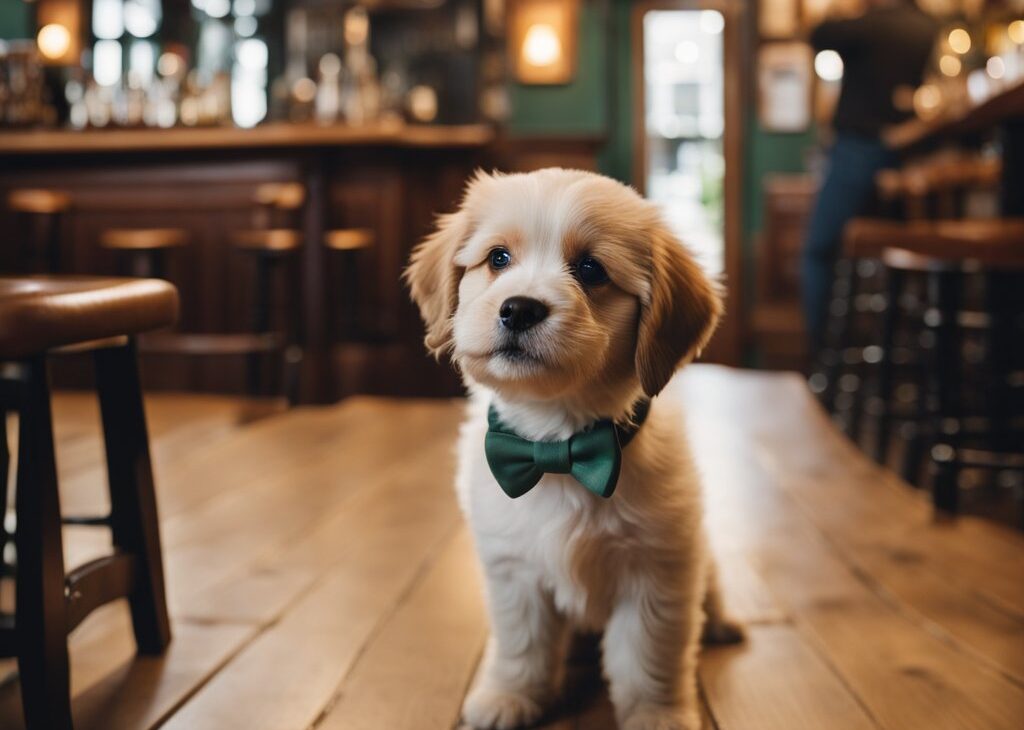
(882, 50)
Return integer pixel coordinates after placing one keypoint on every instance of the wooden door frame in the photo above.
(726, 345)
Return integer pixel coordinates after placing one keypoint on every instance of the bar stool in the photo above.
(42, 210)
(950, 254)
(345, 245)
(857, 295)
(269, 250)
(145, 250)
(273, 241)
(268, 244)
(37, 316)
(277, 203)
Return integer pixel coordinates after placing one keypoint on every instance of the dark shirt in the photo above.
(883, 49)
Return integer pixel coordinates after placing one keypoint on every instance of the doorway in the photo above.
(687, 129)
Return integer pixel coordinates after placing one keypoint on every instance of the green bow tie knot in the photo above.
(593, 457)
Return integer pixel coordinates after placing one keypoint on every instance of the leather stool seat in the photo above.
(40, 313)
(349, 239)
(38, 201)
(272, 241)
(143, 239)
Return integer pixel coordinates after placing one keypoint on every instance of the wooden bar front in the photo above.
(358, 331)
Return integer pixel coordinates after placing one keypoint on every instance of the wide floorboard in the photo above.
(320, 575)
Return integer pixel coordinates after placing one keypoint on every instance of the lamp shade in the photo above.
(59, 34)
(542, 40)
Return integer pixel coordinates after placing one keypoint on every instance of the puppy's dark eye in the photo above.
(499, 258)
(589, 271)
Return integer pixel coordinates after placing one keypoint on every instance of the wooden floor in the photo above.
(320, 576)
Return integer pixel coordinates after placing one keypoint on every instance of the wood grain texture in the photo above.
(319, 576)
(776, 681)
(415, 671)
(902, 670)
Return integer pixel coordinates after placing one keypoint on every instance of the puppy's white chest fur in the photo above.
(586, 552)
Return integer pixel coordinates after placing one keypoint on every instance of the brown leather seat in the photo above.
(274, 240)
(143, 239)
(284, 196)
(349, 239)
(40, 313)
(40, 201)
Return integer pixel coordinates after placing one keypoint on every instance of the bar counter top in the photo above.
(965, 120)
(276, 134)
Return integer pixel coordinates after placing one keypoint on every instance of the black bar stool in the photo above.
(345, 245)
(143, 252)
(857, 302)
(271, 244)
(269, 250)
(37, 316)
(41, 211)
(972, 413)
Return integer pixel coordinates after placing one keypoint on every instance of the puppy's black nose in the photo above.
(521, 313)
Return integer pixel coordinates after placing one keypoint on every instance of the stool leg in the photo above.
(913, 452)
(260, 323)
(5, 469)
(844, 287)
(133, 510)
(894, 285)
(40, 618)
(1002, 309)
(947, 372)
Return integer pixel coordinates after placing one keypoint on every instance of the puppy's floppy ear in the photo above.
(433, 279)
(680, 317)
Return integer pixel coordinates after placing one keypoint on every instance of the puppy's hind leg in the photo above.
(517, 677)
(719, 628)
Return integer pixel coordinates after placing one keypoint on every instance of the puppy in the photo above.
(567, 305)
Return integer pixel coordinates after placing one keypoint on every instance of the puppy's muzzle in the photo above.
(519, 314)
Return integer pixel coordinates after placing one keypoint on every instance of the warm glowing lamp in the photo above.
(542, 40)
(59, 36)
(53, 40)
(541, 46)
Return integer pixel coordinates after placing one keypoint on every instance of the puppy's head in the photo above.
(559, 283)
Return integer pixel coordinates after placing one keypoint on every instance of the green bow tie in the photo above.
(592, 456)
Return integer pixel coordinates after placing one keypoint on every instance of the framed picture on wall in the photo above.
(785, 76)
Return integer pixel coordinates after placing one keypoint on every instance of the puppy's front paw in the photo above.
(488, 708)
(723, 631)
(650, 717)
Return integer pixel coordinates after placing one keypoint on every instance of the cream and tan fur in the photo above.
(635, 566)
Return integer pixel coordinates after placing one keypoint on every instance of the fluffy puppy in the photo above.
(563, 299)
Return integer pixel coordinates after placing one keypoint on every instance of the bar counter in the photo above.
(347, 309)
(278, 134)
(999, 117)
(1007, 105)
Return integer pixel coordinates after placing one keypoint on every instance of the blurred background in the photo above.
(278, 159)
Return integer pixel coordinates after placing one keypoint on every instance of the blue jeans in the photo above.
(849, 182)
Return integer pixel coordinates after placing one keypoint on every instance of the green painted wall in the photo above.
(579, 107)
(15, 20)
(599, 101)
